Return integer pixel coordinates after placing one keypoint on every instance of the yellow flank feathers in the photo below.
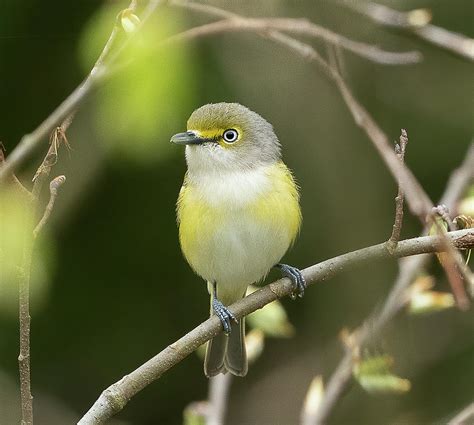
(281, 206)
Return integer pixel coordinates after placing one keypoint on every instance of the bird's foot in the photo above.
(224, 315)
(296, 277)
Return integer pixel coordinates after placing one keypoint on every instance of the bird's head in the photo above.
(227, 137)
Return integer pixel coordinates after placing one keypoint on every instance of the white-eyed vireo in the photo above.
(238, 212)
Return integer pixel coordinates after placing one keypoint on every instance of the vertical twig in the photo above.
(25, 322)
(219, 387)
(57, 137)
(397, 226)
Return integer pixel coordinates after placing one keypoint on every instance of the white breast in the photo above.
(234, 189)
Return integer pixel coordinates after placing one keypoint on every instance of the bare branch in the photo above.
(302, 27)
(408, 21)
(397, 226)
(25, 323)
(25, 272)
(114, 398)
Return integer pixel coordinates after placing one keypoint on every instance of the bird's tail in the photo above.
(227, 352)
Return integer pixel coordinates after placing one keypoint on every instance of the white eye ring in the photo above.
(230, 135)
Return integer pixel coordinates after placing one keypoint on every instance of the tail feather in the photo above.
(227, 353)
(215, 355)
(235, 360)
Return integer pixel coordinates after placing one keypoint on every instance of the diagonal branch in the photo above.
(114, 398)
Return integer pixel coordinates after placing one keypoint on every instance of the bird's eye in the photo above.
(230, 136)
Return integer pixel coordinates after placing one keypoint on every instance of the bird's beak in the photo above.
(187, 138)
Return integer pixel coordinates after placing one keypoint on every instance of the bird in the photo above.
(238, 212)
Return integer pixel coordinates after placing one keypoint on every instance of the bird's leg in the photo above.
(295, 276)
(221, 311)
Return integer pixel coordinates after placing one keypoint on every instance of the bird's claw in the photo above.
(224, 315)
(296, 277)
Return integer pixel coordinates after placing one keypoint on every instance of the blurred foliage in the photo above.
(271, 319)
(374, 374)
(423, 300)
(120, 290)
(139, 105)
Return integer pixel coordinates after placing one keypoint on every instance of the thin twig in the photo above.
(57, 137)
(219, 387)
(26, 399)
(397, 226)
(406, 21)
(114, 398)
(65, 111)
(341, 377)
(302, 27)
(55, 184)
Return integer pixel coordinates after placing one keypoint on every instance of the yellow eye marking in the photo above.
(214, 133)
(217, 135)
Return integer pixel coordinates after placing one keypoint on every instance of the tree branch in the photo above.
(25, 323)
(454, 42)
(114, 398)
(301, 27)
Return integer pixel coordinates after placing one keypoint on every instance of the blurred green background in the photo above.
(115, 289)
